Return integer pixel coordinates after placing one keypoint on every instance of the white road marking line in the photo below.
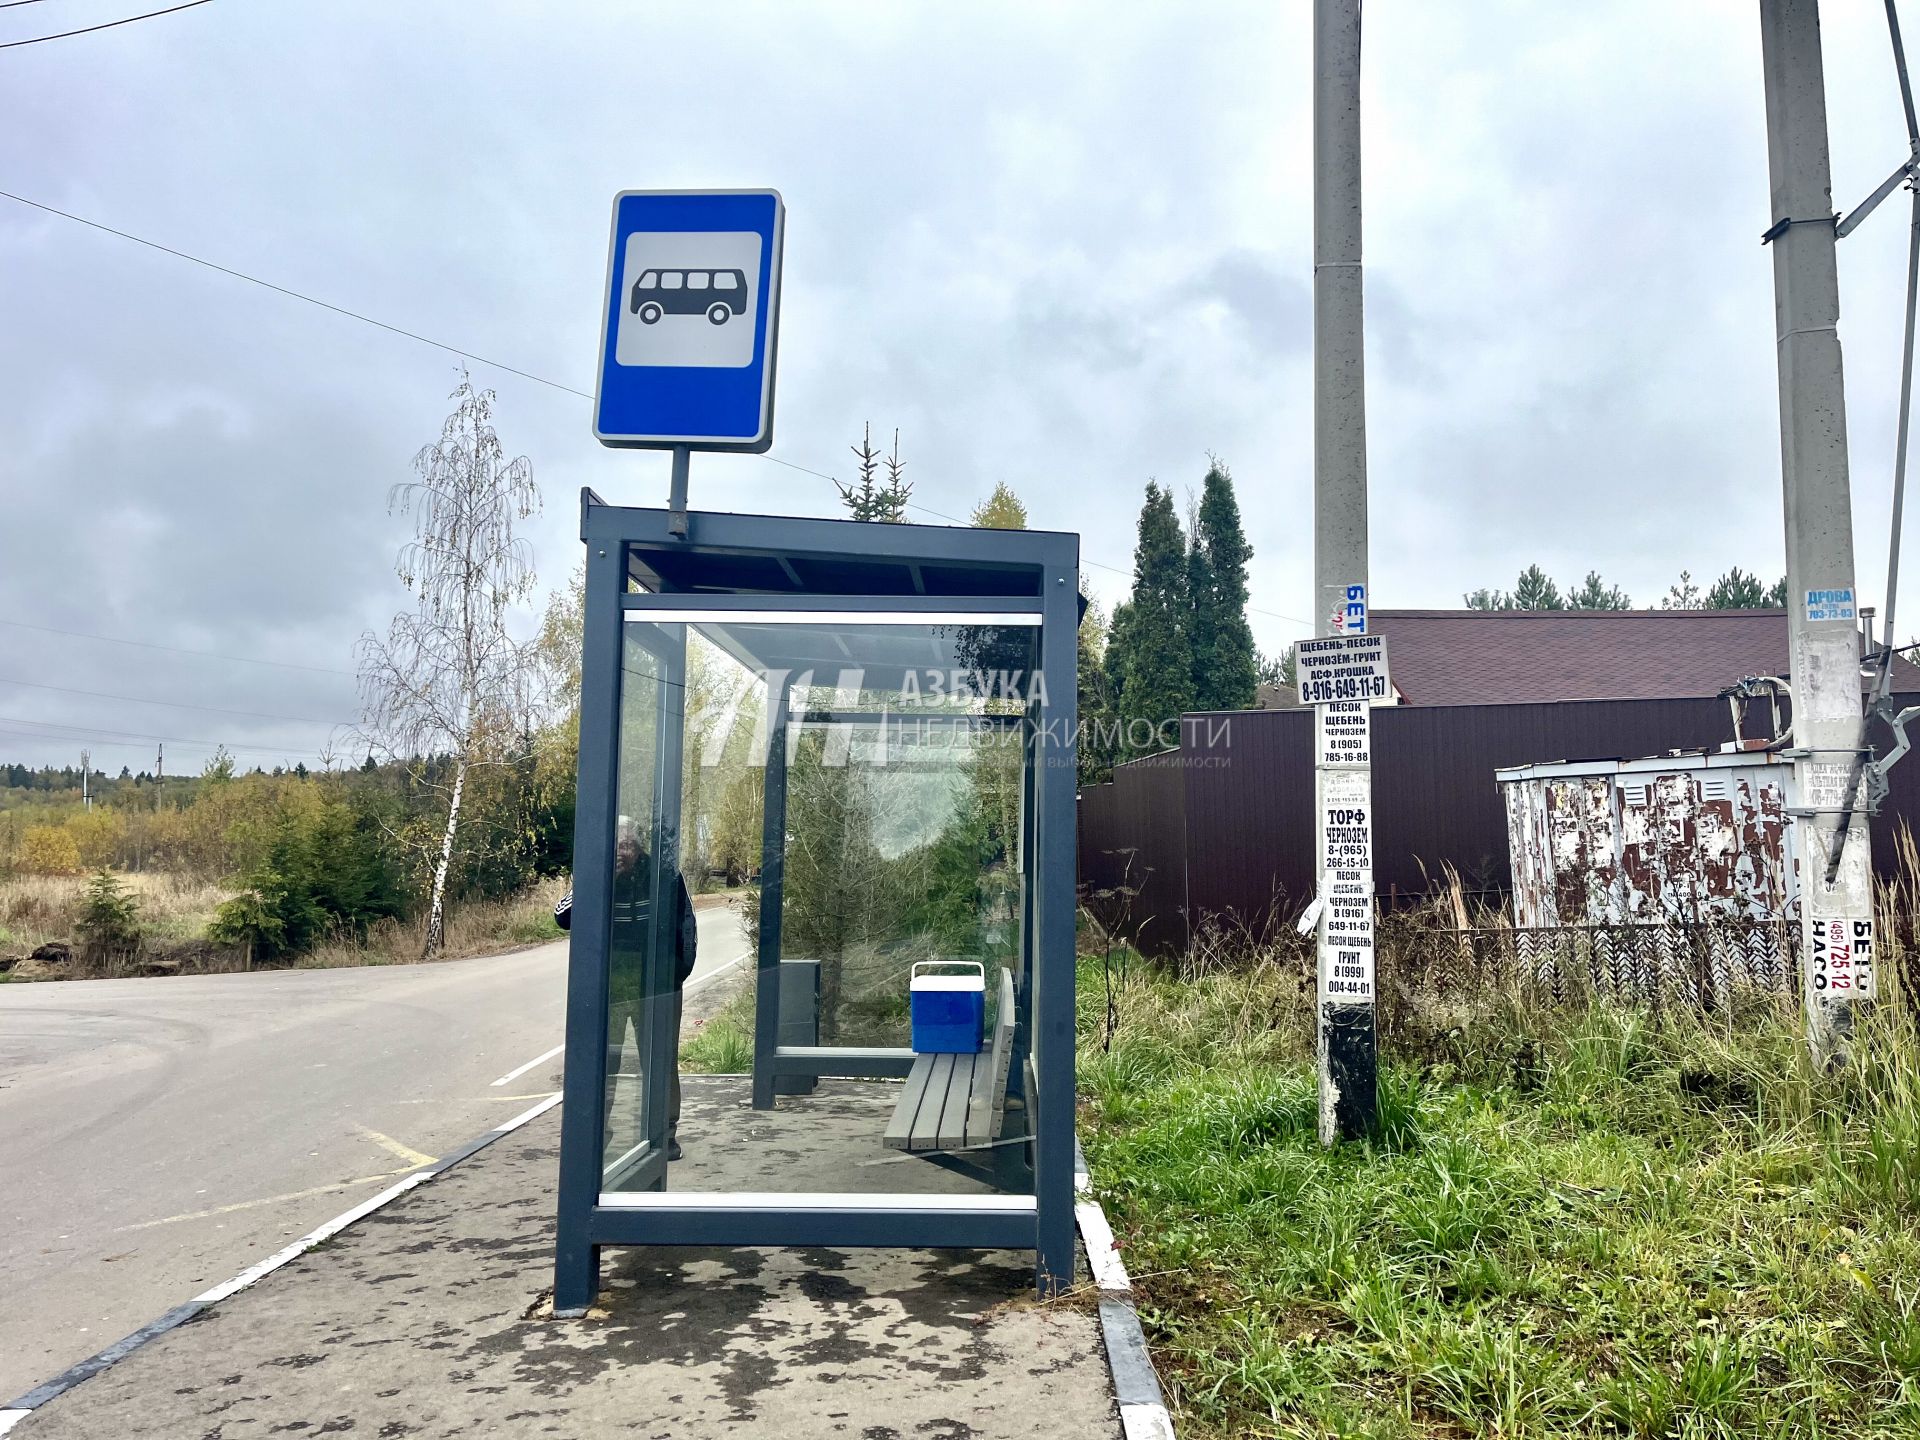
(340, 1222)
(403, 1152)
(264, 1200)
(113, 1354)
(312, 1238)
(537, 1060)
(712, 975)
(537, 1111)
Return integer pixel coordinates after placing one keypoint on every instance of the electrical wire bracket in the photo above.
(1780, 227)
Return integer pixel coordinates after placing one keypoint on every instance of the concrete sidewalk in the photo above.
(430, 1319)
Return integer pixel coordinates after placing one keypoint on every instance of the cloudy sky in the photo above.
(1067, 246)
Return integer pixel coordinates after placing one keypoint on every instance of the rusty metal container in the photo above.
(1681, 838)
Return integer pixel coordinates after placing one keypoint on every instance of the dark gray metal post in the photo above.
(773, 867)
(677, 492)
(576, 1264)
(1055, 913)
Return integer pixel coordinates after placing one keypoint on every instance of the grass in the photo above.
(35, 909)
(1592, 1223)
(724, 1044)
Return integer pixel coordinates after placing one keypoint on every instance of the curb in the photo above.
(14, 1411)
(1143, 1408)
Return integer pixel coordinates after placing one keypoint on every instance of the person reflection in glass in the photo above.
(632, 888)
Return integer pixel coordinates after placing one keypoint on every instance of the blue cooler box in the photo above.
(950, 1008)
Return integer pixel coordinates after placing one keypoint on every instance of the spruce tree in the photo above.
(1224, 659)
(870, 498)
(1157, 683)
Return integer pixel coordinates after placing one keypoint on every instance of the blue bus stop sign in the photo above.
(692, 315)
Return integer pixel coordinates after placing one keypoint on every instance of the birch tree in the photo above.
(449, 688)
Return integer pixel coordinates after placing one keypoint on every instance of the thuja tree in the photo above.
(448, 681)
(1150, 649)
(1225, 662)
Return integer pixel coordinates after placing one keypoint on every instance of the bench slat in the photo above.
(953, 1114)
(926, 1124)
(899, 1134)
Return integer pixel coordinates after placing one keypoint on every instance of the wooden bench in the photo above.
(956, 1102)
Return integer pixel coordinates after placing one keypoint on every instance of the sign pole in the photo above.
(677, 492)
(1347, 1042)
(1829, 732)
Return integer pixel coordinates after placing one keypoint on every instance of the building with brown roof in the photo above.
(1525, 657)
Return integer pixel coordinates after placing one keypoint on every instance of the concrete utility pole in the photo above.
(1347, 1045)
(1836, 903)
(86, 790)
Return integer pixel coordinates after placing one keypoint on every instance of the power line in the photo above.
(297, 295)
(173, 649)
(172, 704)
(108, 25)
(129, 738)
(42, 730)
(484, 360)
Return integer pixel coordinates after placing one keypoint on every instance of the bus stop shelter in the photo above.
(873, 726)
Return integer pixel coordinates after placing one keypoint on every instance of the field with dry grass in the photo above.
(172, 913)
(479, 928)
(36, 909)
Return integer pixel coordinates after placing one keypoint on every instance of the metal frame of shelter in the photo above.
(636, 562)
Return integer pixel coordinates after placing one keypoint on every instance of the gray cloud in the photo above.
(1065, 246)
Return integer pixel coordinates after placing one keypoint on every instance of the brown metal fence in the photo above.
(1222, 829)
(1707, 966)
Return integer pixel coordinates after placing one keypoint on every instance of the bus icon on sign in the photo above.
(718, 294)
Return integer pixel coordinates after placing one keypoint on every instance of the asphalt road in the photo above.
(158, 1136)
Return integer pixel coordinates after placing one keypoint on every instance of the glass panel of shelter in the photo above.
(901, 758)
(642, 1001)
